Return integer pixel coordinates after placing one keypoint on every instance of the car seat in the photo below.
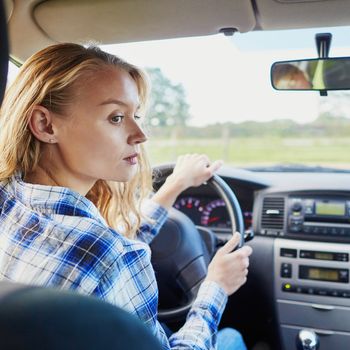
(37, 318)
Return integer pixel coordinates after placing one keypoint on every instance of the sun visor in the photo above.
(25, 37)
(293, 14)
(137, 20)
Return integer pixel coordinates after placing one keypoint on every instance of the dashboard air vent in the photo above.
(272, 213)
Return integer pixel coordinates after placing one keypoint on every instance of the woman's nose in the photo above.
(136, 134)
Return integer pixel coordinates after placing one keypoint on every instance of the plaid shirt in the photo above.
(53, 236)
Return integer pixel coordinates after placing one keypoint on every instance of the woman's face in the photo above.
(300, 81)
(100, 135)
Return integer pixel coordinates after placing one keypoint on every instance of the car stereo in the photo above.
(319, 216)
(307, 271)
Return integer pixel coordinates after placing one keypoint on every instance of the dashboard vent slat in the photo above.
(272, 217)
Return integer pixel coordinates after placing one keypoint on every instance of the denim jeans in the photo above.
(230, 339)
(227, 338)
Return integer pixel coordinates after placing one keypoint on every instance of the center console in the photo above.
(311, 263)
(312, 290)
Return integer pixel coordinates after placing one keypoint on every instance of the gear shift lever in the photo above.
(307, 340)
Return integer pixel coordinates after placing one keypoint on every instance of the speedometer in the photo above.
(190, 206)
(215, 214)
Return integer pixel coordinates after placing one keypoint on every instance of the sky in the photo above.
(228, 78)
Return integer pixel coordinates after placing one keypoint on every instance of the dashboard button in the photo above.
(299, 289)
(322, 292)
(286, 270)
(309, 210)
(287, 287)
(334, 231)
(342, 231)
(306, 229)
(343, 257)
(310, 290)
(316, 230)
(305, 254)
(296, 228)
(288, 253)
(325, 231)
(345, 294)
(334, 293)
(344, 276)
(297, 206)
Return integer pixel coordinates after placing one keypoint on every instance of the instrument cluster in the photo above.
(209, 212)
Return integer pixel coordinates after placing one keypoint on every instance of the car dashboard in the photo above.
(208, 210)
(299, 271)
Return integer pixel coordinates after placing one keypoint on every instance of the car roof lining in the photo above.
(34, 24)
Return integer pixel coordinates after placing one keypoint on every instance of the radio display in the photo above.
(317, 255)
(324, 256)
(323, 274)
(330, 208)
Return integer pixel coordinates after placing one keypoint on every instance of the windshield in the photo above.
(213, 95)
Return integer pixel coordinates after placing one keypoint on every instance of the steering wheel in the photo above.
(181, 251)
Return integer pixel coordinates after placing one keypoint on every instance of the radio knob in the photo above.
(297, 206)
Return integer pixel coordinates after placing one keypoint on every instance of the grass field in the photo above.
(334, 152)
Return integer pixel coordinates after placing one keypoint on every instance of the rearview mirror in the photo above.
(312, 74)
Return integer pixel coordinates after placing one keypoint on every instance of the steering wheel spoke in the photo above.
(192, 274)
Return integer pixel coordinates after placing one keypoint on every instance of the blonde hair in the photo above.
(286, 76)
(48, 78)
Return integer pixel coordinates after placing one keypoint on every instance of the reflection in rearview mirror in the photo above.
(312, 74)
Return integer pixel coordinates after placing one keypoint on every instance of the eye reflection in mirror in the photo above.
(312, 74)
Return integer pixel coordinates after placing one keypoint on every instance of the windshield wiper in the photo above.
(297, 168)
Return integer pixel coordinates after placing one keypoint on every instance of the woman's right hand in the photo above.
(190, 170)
(229, 268)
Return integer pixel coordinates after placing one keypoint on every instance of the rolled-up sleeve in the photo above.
(154, 218)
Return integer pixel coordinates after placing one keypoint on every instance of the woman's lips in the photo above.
(132, 159)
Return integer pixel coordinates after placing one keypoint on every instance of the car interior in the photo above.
(296, 218)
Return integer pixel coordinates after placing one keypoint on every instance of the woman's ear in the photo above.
(40, 124)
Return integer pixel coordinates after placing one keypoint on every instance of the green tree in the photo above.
(335, 104)
(168, 105)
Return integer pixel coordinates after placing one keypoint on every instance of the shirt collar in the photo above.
(53, 199)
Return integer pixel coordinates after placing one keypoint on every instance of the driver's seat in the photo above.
(33, 318)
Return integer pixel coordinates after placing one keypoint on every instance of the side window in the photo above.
(12, 73)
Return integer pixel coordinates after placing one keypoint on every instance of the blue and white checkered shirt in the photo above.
(53, 236)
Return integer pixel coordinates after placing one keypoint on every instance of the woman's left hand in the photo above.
(190, 170)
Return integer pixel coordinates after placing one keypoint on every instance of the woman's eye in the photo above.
(117, 119)
(137, 117)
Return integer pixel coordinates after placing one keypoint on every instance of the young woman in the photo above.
(74, 191)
